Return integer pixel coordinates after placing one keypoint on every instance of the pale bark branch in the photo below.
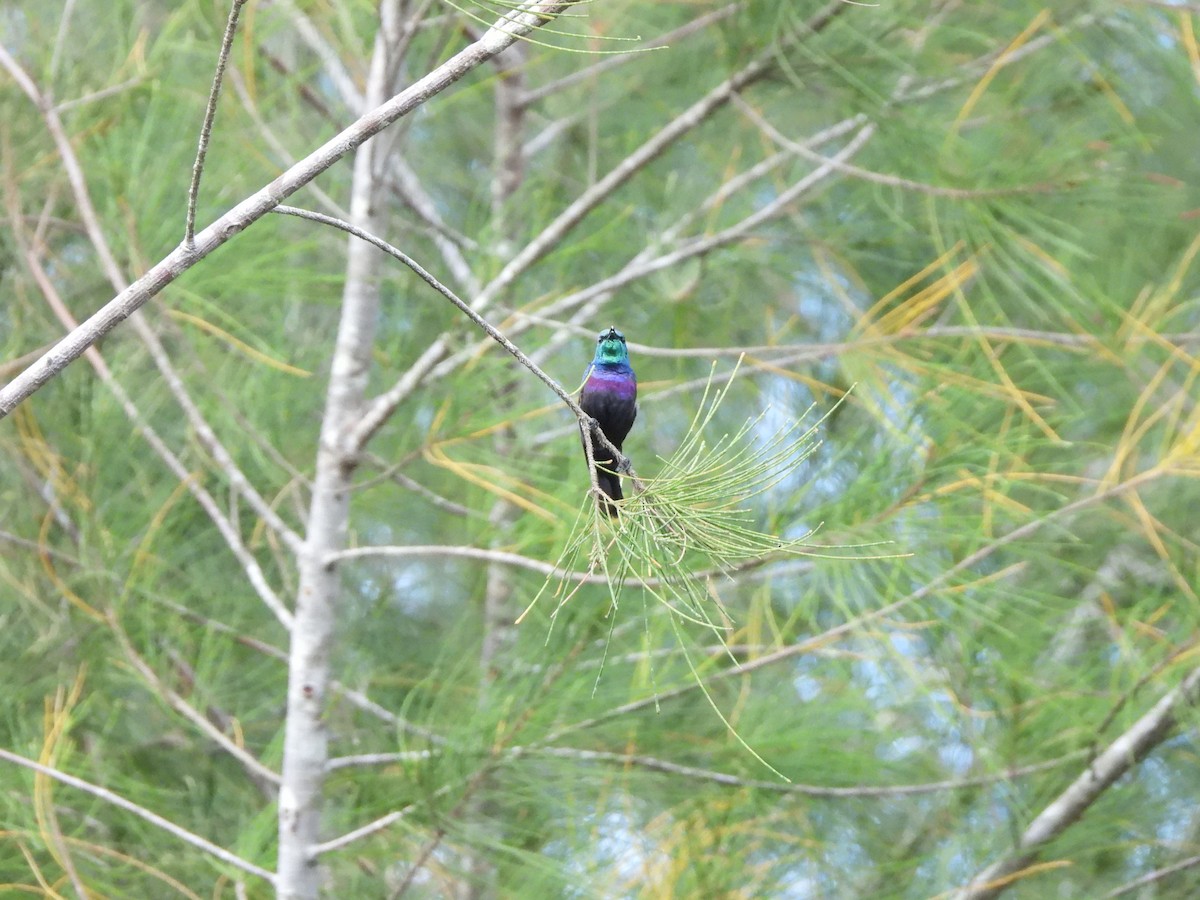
(113, 799)
(60, 38)
(306, 739)
(358, 834)
(449, 243)
(390, 472)
(260, 773)
(102, 94)
(366, 425)
(378, 759)
(225, 527)
(504, 557)
(285, 157)
(507, 29)
(1158, 874)
(1129, 749)
(334, 69)
(667, 767)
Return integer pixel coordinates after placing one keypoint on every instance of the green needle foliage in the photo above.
(690, 524)
(692, 521)
(932, 606)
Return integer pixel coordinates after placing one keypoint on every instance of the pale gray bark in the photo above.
(114, 799)
(309, 676)
(305, 748)
(1068, 807)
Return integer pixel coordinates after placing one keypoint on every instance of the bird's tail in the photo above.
(610, 485)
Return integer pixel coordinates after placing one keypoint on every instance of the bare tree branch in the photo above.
(358, 834)
(273, 141)
(141, 812)
(807, 790)
(261, 774)
(1119, 757)
(377, 759)
(1158, 874)
(225, 527)
(365, 426)
(305, 743)
(504, 557)
(507, 29)
(332, 65)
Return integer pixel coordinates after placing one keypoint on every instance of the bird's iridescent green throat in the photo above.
(610, 348)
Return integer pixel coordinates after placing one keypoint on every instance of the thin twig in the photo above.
(141, 812)
(15, 365)
(808, 790)
(361, 433)
(60, 39)
(261, 774)
(800, 149)
(391, 473)
(668, 767)
(377, 759)
(1158, 874)
(273, 141)
(101, 94)
(333, 67)
(189, 231)
(358, 834)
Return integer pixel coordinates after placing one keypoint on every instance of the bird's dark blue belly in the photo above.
(614, 409)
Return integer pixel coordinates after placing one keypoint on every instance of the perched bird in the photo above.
(610, 397)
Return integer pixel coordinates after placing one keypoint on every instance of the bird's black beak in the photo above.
(611, 334)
